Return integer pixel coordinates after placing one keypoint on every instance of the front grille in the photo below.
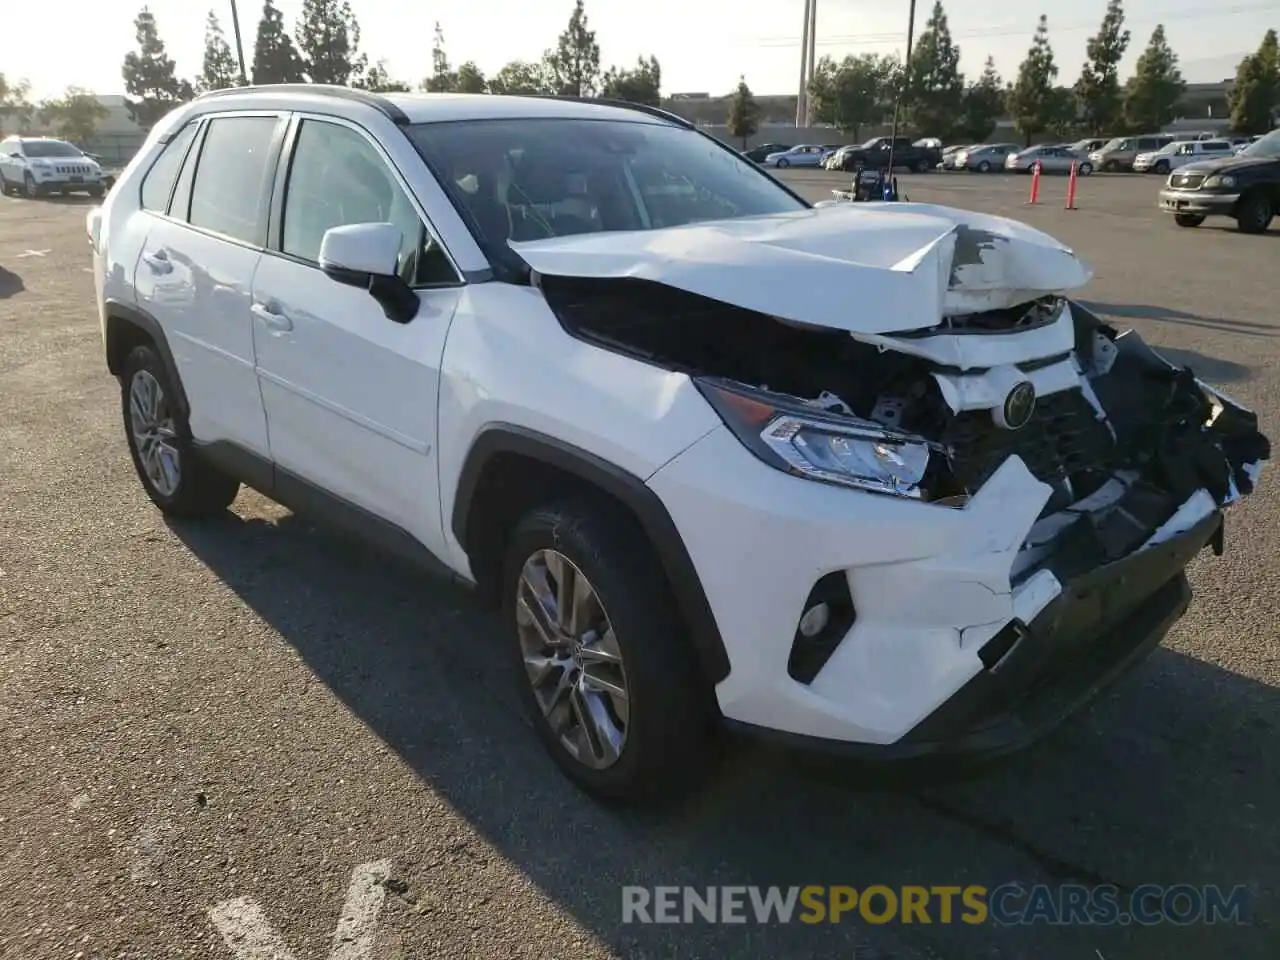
(72, 169)
(1063, 439)
(1188, 181)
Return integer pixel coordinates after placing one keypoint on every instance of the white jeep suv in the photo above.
(857, 476)
(39, 166)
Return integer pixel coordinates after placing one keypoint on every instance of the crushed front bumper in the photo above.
(1036, 675)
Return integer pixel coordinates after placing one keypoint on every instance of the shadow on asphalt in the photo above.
(10, 284)
(1137, 311)
(1171, 778)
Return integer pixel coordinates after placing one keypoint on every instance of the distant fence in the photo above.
(115, 149)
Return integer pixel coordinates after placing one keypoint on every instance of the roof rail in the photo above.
(644, 108)
(381, 104)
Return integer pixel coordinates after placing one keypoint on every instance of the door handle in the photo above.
(158, 262)
(272, 318)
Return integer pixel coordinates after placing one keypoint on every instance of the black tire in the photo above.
(5, 189)
(923, 166)
(783, 162)
(1161, 167)
(201, 490)
(1254, 213)
(1111, 166)
(30, 189)
(1085, 169)
(670, 724)
(1188, 219)
(984, 166)
(95, 192)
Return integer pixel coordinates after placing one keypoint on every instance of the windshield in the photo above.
(1268, 146)
(1117, 144)
(49, 148)
(532, 179)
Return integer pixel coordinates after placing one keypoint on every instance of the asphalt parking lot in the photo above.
(215, 741)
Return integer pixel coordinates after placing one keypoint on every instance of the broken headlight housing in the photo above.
(811, 441)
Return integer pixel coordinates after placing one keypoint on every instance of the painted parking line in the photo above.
(250, 936)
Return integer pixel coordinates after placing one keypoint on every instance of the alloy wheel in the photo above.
(154, 435)
(572, 659)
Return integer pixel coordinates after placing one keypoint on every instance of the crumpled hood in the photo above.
(864, 268)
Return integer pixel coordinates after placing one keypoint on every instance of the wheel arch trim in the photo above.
(119, 317)
(632, 492)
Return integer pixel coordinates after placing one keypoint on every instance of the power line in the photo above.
(879, 39)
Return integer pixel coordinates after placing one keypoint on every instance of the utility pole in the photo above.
(235, 24)
(813, 60)
(806, 68)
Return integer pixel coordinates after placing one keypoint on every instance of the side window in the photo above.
(231, 176)
(157, 185)
(180, 205)
(336, 178)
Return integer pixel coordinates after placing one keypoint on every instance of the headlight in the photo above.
(1220, 180)
(807, 441)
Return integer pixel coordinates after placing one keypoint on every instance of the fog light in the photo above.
(814, 620)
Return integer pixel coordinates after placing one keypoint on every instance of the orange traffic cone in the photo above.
(1035, 184)
(1071, 189)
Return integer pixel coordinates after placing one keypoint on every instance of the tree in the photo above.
(471, 78)
(275, 58)
(15, 102)
(744, 113)
(329, 40)
(574, 66)
(377, 80)
(520, 77)
(1062, 113)
(640, 85)
(442, 79)
(1156, 86)
(1098, 89)
(855, 92)
(74, 116)
(1257, 88)
(1032, 99)
(984, 104)
(149, 75)
(220, 69)
(935, 86)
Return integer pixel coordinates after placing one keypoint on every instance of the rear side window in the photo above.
(231, 176)
(157, 185)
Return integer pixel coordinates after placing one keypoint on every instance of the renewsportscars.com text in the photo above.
(1009, 904)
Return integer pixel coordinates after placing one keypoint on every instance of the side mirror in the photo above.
(367, 255)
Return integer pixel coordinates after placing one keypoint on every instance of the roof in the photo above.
(405, 108)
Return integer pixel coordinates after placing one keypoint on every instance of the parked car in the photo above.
(874, 154)
(40, 166)
(759, 153)
(804, 155)
(1244, 186)
(985, 157)
(1087, 146)
(1119, 153)
(1052, 159)
(1179, 154)
(475, 350)
(949, 154)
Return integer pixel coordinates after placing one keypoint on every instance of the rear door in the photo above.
(351, 395)
(195, 272)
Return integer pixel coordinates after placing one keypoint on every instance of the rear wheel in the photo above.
(176, 480)
(1188, 219)
(607, 674)
(1254, 213)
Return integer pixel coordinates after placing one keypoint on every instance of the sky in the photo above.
(702, 47)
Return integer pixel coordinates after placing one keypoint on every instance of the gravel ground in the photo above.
(254, 709)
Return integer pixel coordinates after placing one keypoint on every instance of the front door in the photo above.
(351, 395)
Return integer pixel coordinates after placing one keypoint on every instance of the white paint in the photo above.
(246, 931)
(33, 253)
(250, 936)
(353, 938)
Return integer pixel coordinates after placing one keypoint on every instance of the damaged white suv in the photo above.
(858, 476)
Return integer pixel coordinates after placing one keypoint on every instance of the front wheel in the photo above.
(1085, 169)
(1161, 168)
(1254, 214)
(159, 437)
(984, 167)
(95, 192)
(30, 188)
(1111, 166)
(1188, 219)
(923, 166)
(784, 162)
(607, 673)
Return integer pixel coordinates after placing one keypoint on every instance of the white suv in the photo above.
(857, 475)
(39, 166)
